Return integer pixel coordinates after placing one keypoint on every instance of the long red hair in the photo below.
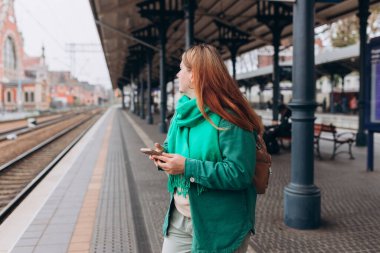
(215, 88)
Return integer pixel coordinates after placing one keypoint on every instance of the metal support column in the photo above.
(122, 97)
(361, 137)
(302, 199)
(233, 52)
(162, 16)
(149, 83)
(163, 102)
(233, 38)
(276, 16)
(133, 106)
(189, 8)
(370, 151)
(150, 35)
(142, 97)
(137, 96)
(332, 106)
(138, 83)
(276, 72)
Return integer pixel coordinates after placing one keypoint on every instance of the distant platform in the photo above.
(5, 116)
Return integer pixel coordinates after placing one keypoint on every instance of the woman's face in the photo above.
(184, 77)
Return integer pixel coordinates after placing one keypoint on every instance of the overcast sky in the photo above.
(54, 24)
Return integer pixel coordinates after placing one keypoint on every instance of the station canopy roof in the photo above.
(118, 19)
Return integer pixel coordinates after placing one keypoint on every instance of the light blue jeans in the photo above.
(180, 235)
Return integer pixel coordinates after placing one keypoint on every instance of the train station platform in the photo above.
(105, 196)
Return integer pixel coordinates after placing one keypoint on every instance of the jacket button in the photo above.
(192, 180)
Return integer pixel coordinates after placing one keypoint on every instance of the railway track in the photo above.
(42, 122)
(19, 176)
(15, 124)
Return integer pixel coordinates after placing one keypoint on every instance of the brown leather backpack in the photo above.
(263, 166)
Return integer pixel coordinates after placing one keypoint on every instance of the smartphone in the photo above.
(149, 151)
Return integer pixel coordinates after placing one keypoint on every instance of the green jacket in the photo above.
(223, 162)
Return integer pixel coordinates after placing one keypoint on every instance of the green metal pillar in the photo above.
(149, 83)
(361, 136)
(276, 72)
(189, 8)
(163, 109)
(302, 199)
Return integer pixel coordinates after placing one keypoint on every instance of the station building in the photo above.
(26, 84)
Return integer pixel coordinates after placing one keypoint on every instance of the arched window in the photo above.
(10, 61)
(32, 97)
(26, 96)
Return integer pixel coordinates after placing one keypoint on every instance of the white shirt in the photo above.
(182, 204)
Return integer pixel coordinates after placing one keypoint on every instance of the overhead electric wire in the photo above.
(50, 35)
(56, 17)
(42, 27)
(58, 60)
(82, 67)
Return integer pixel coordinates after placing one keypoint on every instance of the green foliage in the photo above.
(374, 21)
(345, 32)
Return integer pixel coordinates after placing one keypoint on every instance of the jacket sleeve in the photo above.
(165, 145)
(235, 171)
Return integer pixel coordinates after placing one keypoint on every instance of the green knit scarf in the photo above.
(187, 115)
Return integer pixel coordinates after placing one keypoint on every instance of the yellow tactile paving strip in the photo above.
(82, 236)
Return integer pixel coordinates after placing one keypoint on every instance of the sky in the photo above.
(55, 24)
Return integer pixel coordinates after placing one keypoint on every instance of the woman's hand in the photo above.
(171, 163)
(159, 148)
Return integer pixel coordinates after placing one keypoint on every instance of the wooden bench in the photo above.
(328, 133)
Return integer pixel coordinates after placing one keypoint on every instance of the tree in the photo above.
(374, 22)
(345, 32)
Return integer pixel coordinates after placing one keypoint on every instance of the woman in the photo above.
(210, 159)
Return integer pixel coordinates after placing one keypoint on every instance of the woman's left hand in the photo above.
(171, 163)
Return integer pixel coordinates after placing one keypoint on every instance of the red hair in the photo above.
(215, 88)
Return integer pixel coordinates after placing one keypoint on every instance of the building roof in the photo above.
(31, 62)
